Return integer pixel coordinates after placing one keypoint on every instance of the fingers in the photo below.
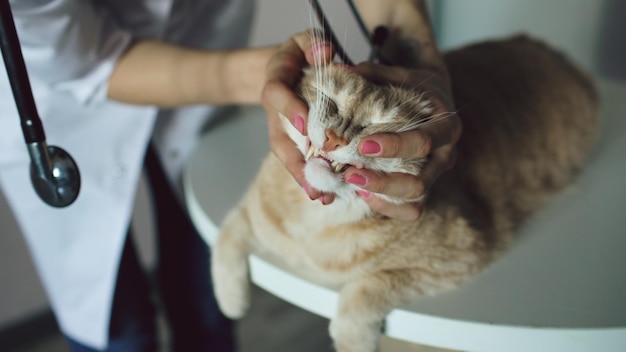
(402, 186)
(285, 150)
(279, 98)
(413, 144)
(397, 185)
(284, 71)
(404, 212)
(442, 160)
(305, 48)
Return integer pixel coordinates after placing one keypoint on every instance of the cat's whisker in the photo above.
(417, 85)
(428, 121)
(423, 105)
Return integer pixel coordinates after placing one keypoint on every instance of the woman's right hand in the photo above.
(284, 72)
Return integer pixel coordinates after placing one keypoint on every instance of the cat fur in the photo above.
(529, 123)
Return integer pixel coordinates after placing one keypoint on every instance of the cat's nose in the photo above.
(333, 141)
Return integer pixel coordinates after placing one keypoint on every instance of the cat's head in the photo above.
(343, 108)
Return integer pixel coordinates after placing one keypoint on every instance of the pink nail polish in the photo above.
(318, 50)
(370, 147)
(298, 123)
(357, 179)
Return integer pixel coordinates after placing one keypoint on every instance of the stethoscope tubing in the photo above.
(18, 77)
(375, 41)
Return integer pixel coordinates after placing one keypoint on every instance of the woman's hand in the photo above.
(435, 141)
(284, 72)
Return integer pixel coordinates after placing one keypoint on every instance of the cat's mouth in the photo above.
(314, 152)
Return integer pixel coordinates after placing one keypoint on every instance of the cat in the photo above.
(529, 120)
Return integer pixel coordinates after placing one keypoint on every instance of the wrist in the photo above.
(411, 41)
(242, 75)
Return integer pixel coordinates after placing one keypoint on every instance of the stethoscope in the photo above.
(53, 172)
(375, 39)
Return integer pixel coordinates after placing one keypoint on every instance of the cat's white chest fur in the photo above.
(318, 248)
(316, 215)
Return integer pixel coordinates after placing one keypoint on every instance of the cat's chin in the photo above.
(319, 175)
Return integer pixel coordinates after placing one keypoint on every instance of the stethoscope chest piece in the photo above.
(58, 182)
(53, 172)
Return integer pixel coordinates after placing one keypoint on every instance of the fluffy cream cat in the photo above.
(529, 121)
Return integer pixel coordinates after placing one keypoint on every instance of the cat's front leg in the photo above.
(229, 265)
(364, 304)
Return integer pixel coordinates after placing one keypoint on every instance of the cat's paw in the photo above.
(231, 285)
(234, 304)
(351, 335)
(232, 292)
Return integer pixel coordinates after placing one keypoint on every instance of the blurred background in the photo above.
(592, 33)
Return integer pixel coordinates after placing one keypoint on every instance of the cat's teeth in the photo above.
(314, 152)
(337, 167)
(310, 152)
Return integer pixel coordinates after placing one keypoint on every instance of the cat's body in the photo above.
(529, 121)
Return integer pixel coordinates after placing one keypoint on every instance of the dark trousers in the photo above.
(183, 282)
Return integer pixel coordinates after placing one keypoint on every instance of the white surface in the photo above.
(560, 287)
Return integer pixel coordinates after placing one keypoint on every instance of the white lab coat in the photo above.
(70, 48)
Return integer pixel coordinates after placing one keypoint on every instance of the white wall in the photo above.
(277, 20)
(590, 32)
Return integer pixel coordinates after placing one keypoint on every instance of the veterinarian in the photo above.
(109, 77)
(126, 83)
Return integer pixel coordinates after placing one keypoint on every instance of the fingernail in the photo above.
(364, 194)
(318, 50)
(298, 122)
(357, 179)
(345, 66)
(326, 199)
(370, 147)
